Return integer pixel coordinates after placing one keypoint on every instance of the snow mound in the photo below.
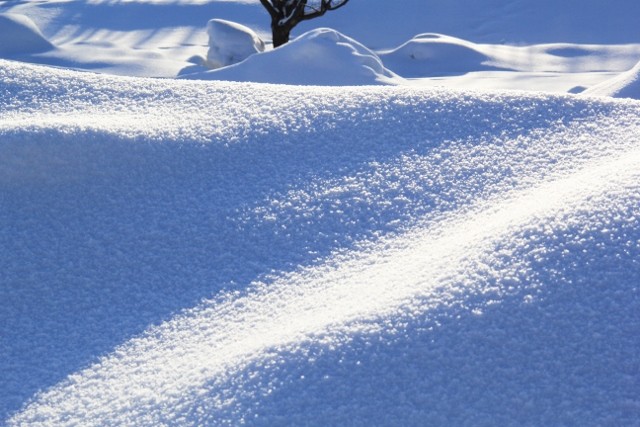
(318, 57)
(314, 255)
(230, 42)
(19, 34)
(432, 54)
(625, 85)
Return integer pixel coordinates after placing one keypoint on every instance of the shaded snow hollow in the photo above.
(211, 253)
(20, 35)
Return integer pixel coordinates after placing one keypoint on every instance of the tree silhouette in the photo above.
(286, 14)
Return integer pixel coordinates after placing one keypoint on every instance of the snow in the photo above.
(624, 85)
(230, 43)
(398, 227)
(537, 45)
(319, 57)
(19, 34)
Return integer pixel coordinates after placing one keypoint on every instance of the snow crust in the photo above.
(203, 253)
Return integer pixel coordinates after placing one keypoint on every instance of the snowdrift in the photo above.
(230, 42)
(625, 85)
(319, 57)
(210, 253)
(20, 35)
(436, 54)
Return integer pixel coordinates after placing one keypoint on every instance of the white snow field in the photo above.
(392, 235)
(365, 255)
(538, 45)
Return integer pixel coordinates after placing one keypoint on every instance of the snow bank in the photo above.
(319, 57)
(435, 54)
(369, 255)
(625, 85)
(20, 35)
(230, 42)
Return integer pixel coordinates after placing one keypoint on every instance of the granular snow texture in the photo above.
(208, 253)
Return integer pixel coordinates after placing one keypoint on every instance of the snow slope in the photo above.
(211, 253)
(422, 248)
(19, 34)
(624, 85)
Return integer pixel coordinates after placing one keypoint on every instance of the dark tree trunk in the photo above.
(280, 34)
(286, 14)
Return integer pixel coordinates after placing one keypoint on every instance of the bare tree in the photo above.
(286, 14)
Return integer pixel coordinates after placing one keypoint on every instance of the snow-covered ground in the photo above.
(541, 45)
(424, 234)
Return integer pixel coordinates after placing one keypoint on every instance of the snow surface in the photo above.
(432, 250)
(19, 34)
(538, 45)
(319, 57)
(230, 43)
(371, 254)
(624, 85)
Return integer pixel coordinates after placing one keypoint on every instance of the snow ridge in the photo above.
(624, 85)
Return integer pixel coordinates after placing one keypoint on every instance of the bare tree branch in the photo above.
(270, 8)
(325, 5)
(286, 14)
